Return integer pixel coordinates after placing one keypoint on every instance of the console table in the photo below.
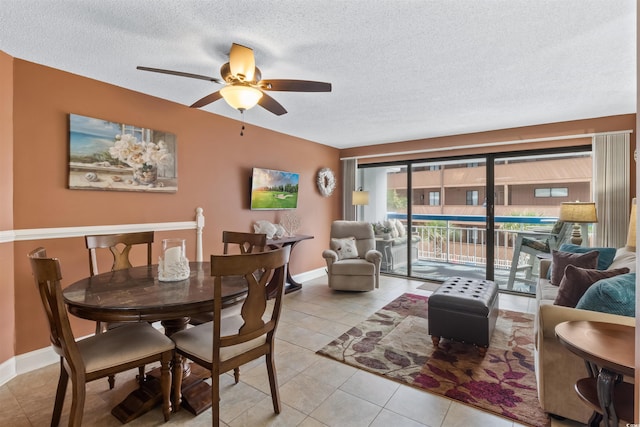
(608, 352)
(290, 284)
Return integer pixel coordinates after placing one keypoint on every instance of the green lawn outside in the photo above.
(273, 200)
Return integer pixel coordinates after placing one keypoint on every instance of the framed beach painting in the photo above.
(105, 155)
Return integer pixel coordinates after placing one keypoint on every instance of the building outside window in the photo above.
(434, 198)
(472, 197)
(551, 192)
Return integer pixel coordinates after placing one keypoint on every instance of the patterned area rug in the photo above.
(395, 343)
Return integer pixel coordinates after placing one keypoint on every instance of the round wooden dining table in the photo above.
(135, 294)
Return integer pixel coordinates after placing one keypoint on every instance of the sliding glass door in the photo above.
(528, 192)
(468, 216)
(448, 217)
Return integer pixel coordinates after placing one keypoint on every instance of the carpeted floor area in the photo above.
(395, 343)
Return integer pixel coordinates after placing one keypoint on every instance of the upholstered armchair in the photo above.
(353, 263)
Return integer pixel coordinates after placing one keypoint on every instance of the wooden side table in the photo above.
(608, 352)
(290, 284)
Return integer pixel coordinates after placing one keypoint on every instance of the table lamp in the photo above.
(578, 213)
(631, 234)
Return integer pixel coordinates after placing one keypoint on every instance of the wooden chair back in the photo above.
(258, 269)
(247, 242)
(114, 242)
(47, 275)
(242, 337)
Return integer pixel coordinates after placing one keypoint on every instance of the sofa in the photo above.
(558, 369)
(392, 238)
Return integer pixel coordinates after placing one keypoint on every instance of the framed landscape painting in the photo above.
(105, 155)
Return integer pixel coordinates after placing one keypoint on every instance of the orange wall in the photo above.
(7, 313)
(214, 169)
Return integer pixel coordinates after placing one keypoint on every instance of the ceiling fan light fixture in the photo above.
(241, 97)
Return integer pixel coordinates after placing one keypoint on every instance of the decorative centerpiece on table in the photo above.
(291, 222)
(143, 157)
(173, 264)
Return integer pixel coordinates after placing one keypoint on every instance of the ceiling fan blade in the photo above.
(270, 104)
(242, 62)
(179, 73)
(295, 85)
(207, 100)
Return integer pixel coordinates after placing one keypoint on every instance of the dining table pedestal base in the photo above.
(140, 401)
(196, 393)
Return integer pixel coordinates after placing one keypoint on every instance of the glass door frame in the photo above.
(489, 159)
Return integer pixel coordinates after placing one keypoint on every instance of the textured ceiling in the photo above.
(400, 69)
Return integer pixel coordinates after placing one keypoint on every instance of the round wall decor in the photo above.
(326, 181)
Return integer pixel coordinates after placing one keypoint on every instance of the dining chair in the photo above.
(120, 246)
(229, 342)
(246, 243)
(115, 350)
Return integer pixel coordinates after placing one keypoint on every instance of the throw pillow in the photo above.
(391, 223)
(625, 258)
(577, 280)
(605, 257)
(616, 295)
(345, 248)
(402, 231)
(562, 259)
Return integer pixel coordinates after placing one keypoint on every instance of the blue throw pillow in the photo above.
(615, 295)
(605, 255)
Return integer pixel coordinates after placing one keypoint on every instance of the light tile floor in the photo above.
(314, 390)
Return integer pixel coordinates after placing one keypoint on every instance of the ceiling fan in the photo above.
(244, 87)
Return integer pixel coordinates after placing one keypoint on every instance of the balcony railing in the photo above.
(461, 239)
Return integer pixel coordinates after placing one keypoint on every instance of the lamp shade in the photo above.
(360, 198)
(631, 234)
(578, 212)
(241, 97)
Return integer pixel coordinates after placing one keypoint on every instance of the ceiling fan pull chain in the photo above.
(242, 129)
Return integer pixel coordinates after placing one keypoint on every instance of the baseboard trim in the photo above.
(7, 370)
(309, 275)
(35, 360)
(26, 363)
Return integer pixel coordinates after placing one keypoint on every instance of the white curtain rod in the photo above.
(488, 144)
